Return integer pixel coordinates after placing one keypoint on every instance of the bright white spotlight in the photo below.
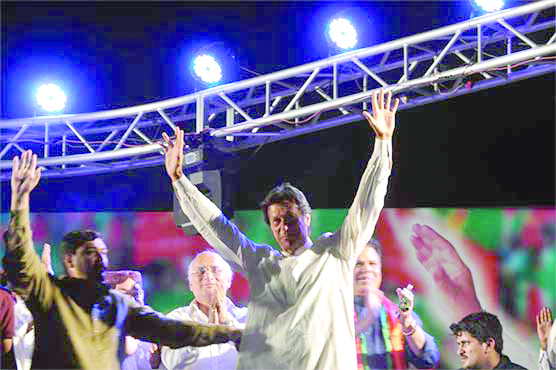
(51, 98)
(207, 69)
(490, 5)
(342, 33)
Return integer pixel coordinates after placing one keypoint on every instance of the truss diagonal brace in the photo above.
(442, 53)
(235, 106)
(128, 131)
(369, 72)
(17, 136)
(81, 138)
(166, 119)
(522, 37)
(302, 90)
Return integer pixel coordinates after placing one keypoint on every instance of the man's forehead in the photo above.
(98, 244)
(277, 209)
(207, 259)
(464, 335)
(369, 254)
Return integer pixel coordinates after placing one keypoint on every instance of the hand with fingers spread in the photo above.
(449, 272)
(544, 324)
(25, 177)
(173, 154)
(383, 117)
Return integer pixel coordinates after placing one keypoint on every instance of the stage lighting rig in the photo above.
(342, 33)
(51, 98)
(488, 6)
(215, 63)
(207, 69)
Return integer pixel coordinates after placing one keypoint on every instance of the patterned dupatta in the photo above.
(392, 335)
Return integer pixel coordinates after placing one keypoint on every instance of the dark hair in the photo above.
(375, 244)
(75, 239)
(482, 326)
(283, 194)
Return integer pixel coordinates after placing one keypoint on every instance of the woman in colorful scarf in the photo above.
(388, 336)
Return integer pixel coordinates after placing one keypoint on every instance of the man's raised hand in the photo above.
(25, 177)
(173, 153)
(383, 117)
(544, 324)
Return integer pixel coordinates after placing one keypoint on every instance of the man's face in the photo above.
(89, 261)
(368, 271)
(208, 280)
(289, 226)
(473, 354)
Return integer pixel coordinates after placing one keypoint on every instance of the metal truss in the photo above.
(480, 53)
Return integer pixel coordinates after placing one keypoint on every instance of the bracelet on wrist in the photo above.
(410, 329)
(409, 333)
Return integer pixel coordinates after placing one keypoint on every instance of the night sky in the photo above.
(491, 148)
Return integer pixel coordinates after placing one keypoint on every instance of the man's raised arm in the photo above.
(207, 218)
(359, 225)
(24, 268)
(144, 323)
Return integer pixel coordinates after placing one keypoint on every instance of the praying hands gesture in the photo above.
(25, 177)
(218, 310)
(383, 117)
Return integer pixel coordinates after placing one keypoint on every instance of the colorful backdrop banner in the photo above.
(510, 254)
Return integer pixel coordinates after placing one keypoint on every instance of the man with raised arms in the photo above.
(301, 303)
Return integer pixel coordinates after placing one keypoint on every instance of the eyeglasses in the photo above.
(201, 271)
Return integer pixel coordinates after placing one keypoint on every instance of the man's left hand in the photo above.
(383, 117)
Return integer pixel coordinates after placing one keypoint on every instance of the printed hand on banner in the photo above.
(450, 274)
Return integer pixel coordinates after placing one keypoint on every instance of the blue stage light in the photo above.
(207, 68)
(342, 33)
(490, 5)
(51, 98)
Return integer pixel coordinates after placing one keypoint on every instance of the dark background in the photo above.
(487, 149)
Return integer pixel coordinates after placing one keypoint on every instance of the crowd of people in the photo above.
(313, 304)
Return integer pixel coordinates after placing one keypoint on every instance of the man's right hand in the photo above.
(373, 298)
(173, 151)
(25, 177)
(544, 324)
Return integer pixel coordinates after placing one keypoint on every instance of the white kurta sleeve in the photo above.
(547, 359)
(216, 229)
(359, 224)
